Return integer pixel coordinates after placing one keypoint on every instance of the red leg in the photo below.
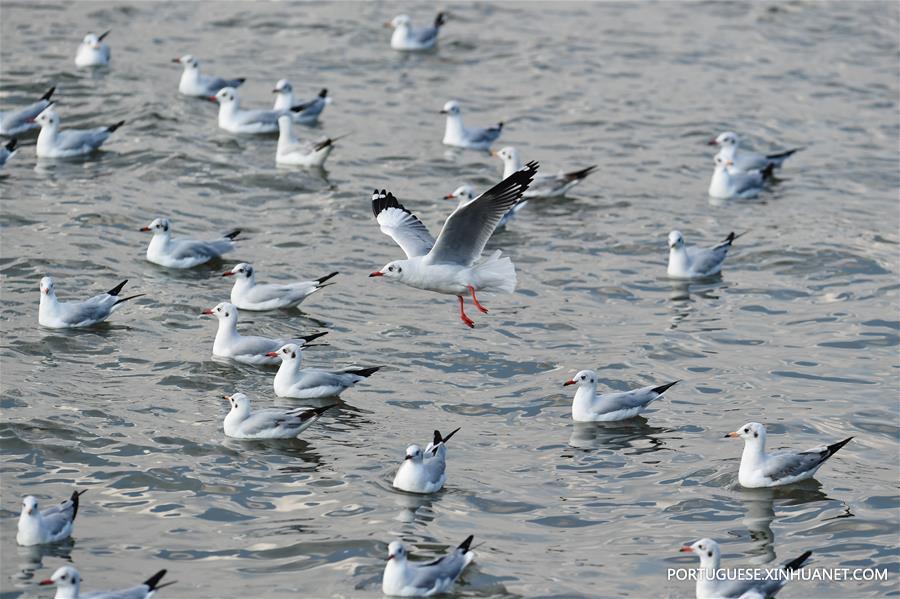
(462, 314)
(475, 299)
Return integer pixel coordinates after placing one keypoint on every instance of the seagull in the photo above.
(728, 183)
(17, 122)
(68, 586)
(184, 253)
(457, 134)
(543, 186)
(284, 100)
(8, 151)
(747, 160)
(235, 120)
(55, 314)
(466, 193)
(409, 579)
(291, 150)
(447, 264)
(93, 51)
(588, 406)
(407, 37)
(693, 262)
(247, 294)
(53, 143)
(194, 83)
(424, 471)
(247, 349)
(711, 586)
(244, 423)
(53, 524)
(761, 469)
(311, 383)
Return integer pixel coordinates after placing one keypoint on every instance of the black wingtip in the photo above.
(321, 280)
(440, 19)
(240, 81)
(49, 93)
(500, 125)
(153, 581)
(439, 439)
(730, 239)
(365, 372)
(75, 498)
(578, 175)
(130, 297)
(323, 144)
(112, 128)
(382, 200)
(322, 410)
(103, 35)
(782, 155)
(313, 336)
(115, 290)
(796, 564)
(769, 171)
(324, 92)
(467, 543)
(832, 449)
(663, 388)
(233, 234)
(11, 144)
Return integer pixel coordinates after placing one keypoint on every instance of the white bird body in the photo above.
(410, 38)
(247, 294)
(53, 143)
(68, 586)
(744, 160)
(693, 262)
(196, 84)
(403, 578)
(729, 183)
(457, 134)
(55, 314)
(311, 109)
(37, 527)
(93, 51)
(311, 383)
(184, 253)
(243, 423)
(543, 186)
(761, 469)
(292, 151)
(424, 471)
(234, 119)
(589, 406)
(17, 122)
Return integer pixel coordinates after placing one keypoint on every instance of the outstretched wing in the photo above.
(401, 225)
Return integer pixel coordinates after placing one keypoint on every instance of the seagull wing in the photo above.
(401, 225)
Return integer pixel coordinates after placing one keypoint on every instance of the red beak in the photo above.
(213, 99)
(228, 273)
(568, 382)
(377, 273)
(176, 60)
(45, 582)
(712, 142)
(390, 557)
(144, 229)
(272, 354)
(449, 196)
(208, 311)
(686, 550)
(29, 120)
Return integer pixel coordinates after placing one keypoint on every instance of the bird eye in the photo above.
(582, 377)
(63, 577)
(747, 430)
(285, 351)
(391, 268)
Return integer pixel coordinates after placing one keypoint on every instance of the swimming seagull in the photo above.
(466, 193)
(711, 586)
(424, 471)
(588, 406)
(235, 120)
(93, 51)
(17, 122)
(8, 151)
(407, 37)
(747, 160)
(272, 423)
(53, 524)
(194, 83)
(457, 134)
(291, 150)
(693, 262)
(761, 469)
(312, 383)
(53, 143)
(247, 349)
(728, 183)
(184, 253)
(68, 586)
(543, 186)
(247, 294)
(447, 264)
(403, 578)
(311, 109)
(55, 314)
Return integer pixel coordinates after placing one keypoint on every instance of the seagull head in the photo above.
(287, 353)
(722, 163)
(240, 271)
(752, 432)
(48, 118)
(239, 402)
(48, 287)
(451, 108)
(726, 140)
(64, 578)
(159, 226)
(92, 41)
(705, 549)
(398, 21)
(30, 506)
(583, 378)
(224, 312)
(676, 240)
(283, 87)
(507, 154)
(396, 551)
(189, 62)
(396, 270)
(463, 193)
(414, 453)
(226, 96)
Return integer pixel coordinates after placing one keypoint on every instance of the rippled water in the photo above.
(801, 332)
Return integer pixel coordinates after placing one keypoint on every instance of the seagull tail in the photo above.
(11, 145)
(438, 439)
(115, 290)
(112, 128)
(49, 94)
(663, 388)
(153, 581)
(313, 336)
(832, 449)
(364, 372)
(779, 158)
(323, 93)
(495, 274)
(440, 19)
(579, 175)
(466, 544)
(75, 500)
(232, 234)
(769, 171)
(321, 280)
(130, 297)
(796, 564)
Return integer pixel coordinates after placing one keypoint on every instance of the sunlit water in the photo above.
(801, 332)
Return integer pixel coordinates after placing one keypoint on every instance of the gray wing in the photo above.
(311, 377)
(484, 135)
(312, 108)
(263, 117)
(73, 139)
(55, 523)
(270, 291)
(424, 35)
(786, 465)
(269, 419)
(747, 160)
(467, 230)
(17, 118)
(733, 589)
(251, 344)
(139, 592)
(200, 249)
(214, 84)
(401, 225)
(704, 260)
(95, 308)
(612, 402)
(745, 181)
(450, 566)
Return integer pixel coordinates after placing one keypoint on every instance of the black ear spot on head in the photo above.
(165, 227)
(755, 434)
(228, 314)
(709, 553)
(293, 354)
